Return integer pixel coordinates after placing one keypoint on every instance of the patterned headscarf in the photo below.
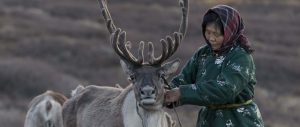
(233, 26)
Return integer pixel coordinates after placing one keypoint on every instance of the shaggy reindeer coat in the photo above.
(96, 106)
(87, 101)
(45, 110)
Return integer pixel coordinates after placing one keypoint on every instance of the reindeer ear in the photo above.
(170, 67)
(127, 68)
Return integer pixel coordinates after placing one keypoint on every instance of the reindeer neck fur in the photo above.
(131, 117)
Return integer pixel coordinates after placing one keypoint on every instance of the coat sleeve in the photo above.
(188, 73)
(233, 78)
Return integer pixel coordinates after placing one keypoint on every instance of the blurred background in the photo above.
(58, 44)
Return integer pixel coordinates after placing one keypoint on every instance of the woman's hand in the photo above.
(172, 95)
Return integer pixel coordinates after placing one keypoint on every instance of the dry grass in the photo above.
(26, 78)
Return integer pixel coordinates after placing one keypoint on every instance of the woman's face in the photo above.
(214, 36)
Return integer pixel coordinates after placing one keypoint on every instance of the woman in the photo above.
(220, 75)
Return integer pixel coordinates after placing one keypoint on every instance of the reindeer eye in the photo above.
(131, 78)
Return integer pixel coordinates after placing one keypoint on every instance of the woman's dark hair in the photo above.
(212, 18)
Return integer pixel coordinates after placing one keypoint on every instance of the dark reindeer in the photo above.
(141, 103)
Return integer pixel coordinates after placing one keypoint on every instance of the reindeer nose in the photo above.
(148, 91)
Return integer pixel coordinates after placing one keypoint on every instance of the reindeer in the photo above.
(45, 110)
(141, 103)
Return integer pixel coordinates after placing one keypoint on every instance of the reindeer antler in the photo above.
(118, 39)
(107, 17)
(169, 45)
(184, 5)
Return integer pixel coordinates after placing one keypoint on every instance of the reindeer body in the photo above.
(93, 107)
(97, 106)
(45, 110)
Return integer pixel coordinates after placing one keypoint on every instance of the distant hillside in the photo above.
(58, 44)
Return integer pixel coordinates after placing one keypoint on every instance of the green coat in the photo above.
(208, 79)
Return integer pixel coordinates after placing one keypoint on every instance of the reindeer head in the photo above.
(148, 77)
